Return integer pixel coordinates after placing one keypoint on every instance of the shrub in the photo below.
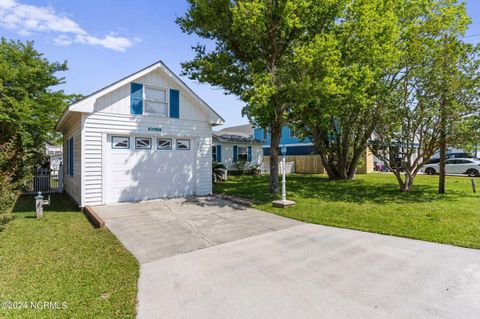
(7, 198)
(8, 193)
(245, 168)
(218, 172)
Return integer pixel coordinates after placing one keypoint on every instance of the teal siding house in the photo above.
(295, 145)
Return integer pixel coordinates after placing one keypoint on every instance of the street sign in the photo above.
(284, 150)
(156, 129)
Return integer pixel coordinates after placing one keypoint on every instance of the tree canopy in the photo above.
(338, 71)
(339, 77)
(29, 106)
(253, 53)
(432, 91)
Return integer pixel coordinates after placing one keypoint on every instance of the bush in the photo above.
(7, 198)
(218, 172)
(8, 193)
(245, 168)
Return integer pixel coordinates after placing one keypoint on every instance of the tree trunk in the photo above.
(331, 171)
(405, 183)
(443, 151)
(443, 126)
(354, 162)
(408, 183)
(275, 134)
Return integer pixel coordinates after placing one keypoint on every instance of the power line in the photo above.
(471, 36)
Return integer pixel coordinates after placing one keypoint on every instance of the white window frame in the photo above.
(246, 153)
(183, 139)
(164, 139)
(143, 138)
(166, 102)
(120, 148)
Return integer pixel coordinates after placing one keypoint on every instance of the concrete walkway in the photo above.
(302, 271)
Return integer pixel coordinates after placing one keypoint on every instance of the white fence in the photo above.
(289, 167)
(45, 180)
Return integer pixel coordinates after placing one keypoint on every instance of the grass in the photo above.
(62, 258)
(373, 203)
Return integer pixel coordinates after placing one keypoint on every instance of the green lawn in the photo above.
(62, 258)
(373, 203)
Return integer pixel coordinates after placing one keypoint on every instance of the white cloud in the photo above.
(29, 19)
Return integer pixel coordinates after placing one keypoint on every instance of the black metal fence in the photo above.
(45, 180)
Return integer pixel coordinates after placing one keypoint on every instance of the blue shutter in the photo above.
(136, 98)
(70, 157)
(219, 153)
(174, 103)
(235, 153)
(249, 154)
(67, 158)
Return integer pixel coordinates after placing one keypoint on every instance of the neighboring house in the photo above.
(235, 144)
(295, 145)
(244, 130)
(145, 136)
(55, 155)
(302, 152)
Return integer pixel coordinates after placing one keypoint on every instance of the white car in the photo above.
(469, 166)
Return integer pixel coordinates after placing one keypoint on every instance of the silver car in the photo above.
(469, 166)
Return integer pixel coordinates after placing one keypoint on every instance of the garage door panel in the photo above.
(147, 174)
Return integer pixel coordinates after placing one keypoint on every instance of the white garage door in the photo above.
(140, 168)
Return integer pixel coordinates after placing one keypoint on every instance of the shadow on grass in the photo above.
(25, 205)
(375, 189)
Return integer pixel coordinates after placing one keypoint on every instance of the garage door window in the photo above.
(183, 144)
(143, 143)
(164, 144)
(121, 142)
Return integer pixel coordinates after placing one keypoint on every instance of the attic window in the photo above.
(155, 100)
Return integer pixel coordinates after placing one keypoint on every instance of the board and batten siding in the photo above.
(99, 125)
(118, 101)
(72, 184)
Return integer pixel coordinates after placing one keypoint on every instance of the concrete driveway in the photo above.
(156, 229)
(286, 269)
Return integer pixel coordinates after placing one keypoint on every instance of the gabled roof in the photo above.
(86, 104)
(245, 129)
(233, 138)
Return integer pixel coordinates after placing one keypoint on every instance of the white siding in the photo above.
(72, 184)
(112, 116)
(118, 101)
(98, 125)
(227, 153)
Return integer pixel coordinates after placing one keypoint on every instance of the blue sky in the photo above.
(104, 40)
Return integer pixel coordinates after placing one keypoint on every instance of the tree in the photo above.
(253, 54)
(339, 75)
(457, 88)
(29, 108)
(414, 121)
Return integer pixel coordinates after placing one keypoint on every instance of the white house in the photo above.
(145, 136)
(232, 145)
(55, 156)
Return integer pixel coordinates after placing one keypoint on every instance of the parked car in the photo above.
(469, 166)
(449, 155)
